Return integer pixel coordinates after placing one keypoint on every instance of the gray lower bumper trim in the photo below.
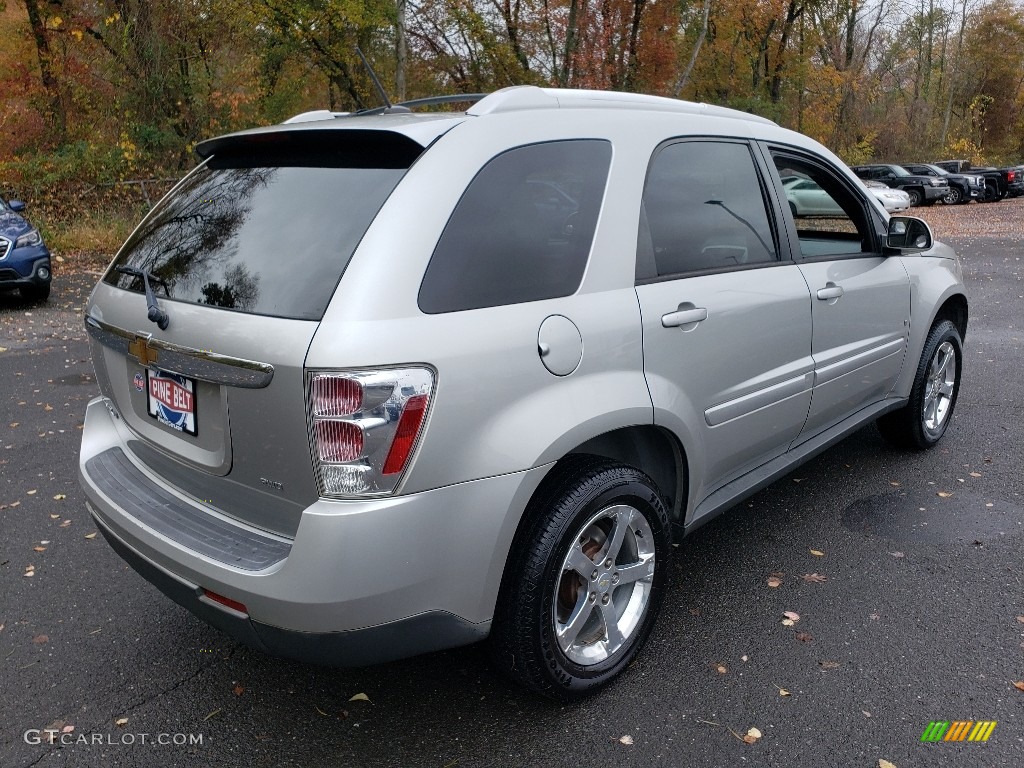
(430, 631)
(179, 521)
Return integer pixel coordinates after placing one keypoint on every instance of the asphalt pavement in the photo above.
(919, 616)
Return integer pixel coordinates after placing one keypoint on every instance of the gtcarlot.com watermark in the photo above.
(55, 736)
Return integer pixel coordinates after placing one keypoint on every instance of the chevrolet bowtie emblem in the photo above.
(141, 351)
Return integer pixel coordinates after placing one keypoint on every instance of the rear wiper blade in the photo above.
(154, 313)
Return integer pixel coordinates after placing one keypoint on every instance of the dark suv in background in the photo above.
(923, 190)
(962, 187)
(24, 258)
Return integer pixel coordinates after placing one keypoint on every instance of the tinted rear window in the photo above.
(269, 235)
(522, 230)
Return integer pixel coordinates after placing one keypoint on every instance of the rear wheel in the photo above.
(584, 583)
(922, 422)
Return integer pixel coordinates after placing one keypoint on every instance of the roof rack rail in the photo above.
(524, 97)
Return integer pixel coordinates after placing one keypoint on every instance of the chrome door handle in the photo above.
(830, 291)
(684, 317)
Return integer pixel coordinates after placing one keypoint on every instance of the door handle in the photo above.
(830, 291)
(684, 317)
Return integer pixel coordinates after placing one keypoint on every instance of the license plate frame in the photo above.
(171, 401)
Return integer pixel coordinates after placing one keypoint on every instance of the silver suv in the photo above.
(375, 385)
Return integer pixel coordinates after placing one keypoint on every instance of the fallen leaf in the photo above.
(216, 711)
(40, 639)
(59, 497)
(752, 736)
(894, 484)
(32, 493)
(788, 622)
(320, 711)
(1020, 619)
(67, 729)
(54, 517)
(14, 504)
(122, 721)
(804, 637)
(943, 494)
(829, 664)
(896, 554)
(744, 657)
(865, 713)
(975, 474)
(782, 691)
(775, 580)
(721, 668)
(38, 549)
(885, 764)
(238, 690)
(360, 697)
(817, 553)
(91, 535)
(813, 578)
(1019, 685)
(792, 615)
(627, 740)
(65, 524)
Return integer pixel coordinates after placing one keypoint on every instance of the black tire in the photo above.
(955, 196)
(35, 292)
(910, 427)
(991, 193)
(916, 196)
(537, 587)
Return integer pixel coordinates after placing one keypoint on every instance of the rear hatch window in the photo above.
(267, 227)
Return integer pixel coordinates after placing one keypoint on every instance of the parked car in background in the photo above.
(555, 333)
(963, 187)
(999, 182)
(923, 190)
(24, 257)
(891, 199)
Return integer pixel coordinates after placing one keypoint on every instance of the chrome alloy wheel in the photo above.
(939, 387)
(604, 585)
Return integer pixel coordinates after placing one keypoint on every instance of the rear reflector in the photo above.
(408, 427)
(232, 604)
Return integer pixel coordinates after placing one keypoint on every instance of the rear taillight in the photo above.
(365, 426)
(1010, 176)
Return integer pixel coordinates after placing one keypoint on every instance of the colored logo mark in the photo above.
(958, 730)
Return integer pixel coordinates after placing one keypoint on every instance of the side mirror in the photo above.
(16, 205)
(908, 234)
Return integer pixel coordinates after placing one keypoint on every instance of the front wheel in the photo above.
(584, 582)
(916, 196)
(953, 197)
(922, 422)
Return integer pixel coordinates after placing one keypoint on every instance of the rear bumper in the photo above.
(362, 581)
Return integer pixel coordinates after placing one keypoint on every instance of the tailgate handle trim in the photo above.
(200, 364)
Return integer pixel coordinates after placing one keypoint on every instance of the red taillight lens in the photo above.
(336, 396)
(1010, 176)
(408, 427)
(339, 440)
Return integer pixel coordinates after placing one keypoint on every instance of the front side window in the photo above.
(704, 209)
(830, 219)
(522, 230)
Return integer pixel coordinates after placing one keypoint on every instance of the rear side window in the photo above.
(522, 230)
(267, 232)
(704, 209)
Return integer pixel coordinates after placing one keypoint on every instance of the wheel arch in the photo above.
(954, 309)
